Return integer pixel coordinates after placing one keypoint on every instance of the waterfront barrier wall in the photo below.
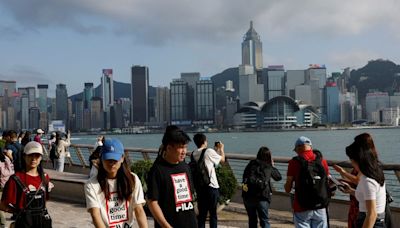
(70, 186)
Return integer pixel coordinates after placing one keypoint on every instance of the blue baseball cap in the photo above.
(112, 150)
(302, 140)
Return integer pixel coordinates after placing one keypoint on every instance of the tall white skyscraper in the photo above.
(252, 49)
(107, 89)
(108, 96)
(250, 87)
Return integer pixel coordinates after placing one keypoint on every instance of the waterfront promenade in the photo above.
(67, 207)
(74, 215)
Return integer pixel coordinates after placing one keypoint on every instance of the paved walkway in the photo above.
(70, 215)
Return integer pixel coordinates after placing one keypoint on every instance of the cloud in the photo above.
(158, 22)
(26, 76)
(353, 59)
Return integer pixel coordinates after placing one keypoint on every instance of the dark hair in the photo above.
(5, 133)
(58, 138)
(11, 134)
(26, 138)
(367, 162)
(125, 181)
(173, 135)
(365, 141)
(199, 139)
(264, 154)
(39, 169)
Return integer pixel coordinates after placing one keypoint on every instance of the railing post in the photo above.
(80, 156)
(397, 173)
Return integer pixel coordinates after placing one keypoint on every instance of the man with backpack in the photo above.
(207, 195)
(309, 173)
(14, 150)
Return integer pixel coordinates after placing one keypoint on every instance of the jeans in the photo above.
(60, 163)
(254, 207)
(379, 223)
(311, 219)
(208, 202)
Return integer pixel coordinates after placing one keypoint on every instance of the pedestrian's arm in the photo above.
(346, 175)
(141, 216)
(220, 150)
(158, 214)
(275, 174)
(96, 217)
(371, 214)
(6, 208)
(289, 184)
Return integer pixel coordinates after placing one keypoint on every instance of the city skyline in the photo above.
(70, 42)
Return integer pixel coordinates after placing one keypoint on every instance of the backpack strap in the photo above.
(202, 154)
(19, 183)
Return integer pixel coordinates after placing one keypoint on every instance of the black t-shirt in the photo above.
(171, 186)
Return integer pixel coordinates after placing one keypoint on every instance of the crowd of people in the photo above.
(115, 196)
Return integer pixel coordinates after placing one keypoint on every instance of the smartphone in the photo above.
(216, 143)
(339, 184)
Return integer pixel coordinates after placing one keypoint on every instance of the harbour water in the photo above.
(331, 142)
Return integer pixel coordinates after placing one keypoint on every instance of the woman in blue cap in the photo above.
(114, 197)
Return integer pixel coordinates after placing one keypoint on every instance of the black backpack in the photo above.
(53, 151)
(312, 186)
(34, 213)
(18, 149)
(199, 171)
(256, 177)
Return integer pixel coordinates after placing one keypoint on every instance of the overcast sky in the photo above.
(71, 41)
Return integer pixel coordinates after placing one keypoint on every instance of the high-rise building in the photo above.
(191, 78)
(293, 79)
(24, 111)
(7, 88)
(117, 120)
(332, 103)
(252, 49)
(251, 87)
(139, 94)
(78, 114)
(162, 110)
(276, 81)
(42, 100)
(107, 89)
(88, 93)
(96, 113)
(108, 96)
(62, 104)
(179, 102)
(34, 118)
(204, 102)
(374, 102)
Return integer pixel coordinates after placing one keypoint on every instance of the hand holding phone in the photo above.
(338, 183)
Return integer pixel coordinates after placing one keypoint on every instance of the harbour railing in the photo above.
(80, 153)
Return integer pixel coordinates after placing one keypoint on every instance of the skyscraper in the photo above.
(204, 102)
(250, 71)
(252, 49)
(276, 81)
(162, 110)
(179, 101)
(108, 95)
(139, 94)
(42, 100)
(88, 93)
(62, 104)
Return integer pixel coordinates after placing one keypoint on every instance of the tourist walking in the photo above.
(169, 184)
(308, 172)
(114, 197)
(257, 188)
(25, 192)
(61, 150)
(371, 189)
(208, 196)
(38, 136)
(26, 138)
(14, 150)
